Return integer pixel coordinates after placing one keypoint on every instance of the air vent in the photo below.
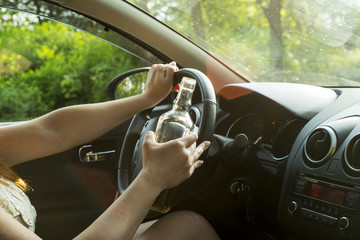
(352, 154)
(320, 145)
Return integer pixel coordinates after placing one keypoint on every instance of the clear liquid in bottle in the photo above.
(174, 124)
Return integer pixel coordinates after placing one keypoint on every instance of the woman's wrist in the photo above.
(150, 99)
(154, 185)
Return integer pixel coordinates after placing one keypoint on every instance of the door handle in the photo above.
(87, 155)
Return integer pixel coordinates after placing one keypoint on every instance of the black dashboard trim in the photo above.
(304, 101)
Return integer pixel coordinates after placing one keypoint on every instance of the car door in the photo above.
(46, 65)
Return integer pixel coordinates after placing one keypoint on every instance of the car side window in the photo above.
(46, 64)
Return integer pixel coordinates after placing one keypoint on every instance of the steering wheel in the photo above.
(130, 160)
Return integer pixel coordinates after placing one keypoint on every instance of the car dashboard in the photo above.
(290, 154)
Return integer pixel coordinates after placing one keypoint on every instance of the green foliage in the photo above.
(131, 85)
(47, 65)
(314, 42)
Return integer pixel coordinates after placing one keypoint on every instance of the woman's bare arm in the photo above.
(10, 229)
(71, 126)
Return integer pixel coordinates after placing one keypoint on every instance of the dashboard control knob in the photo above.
(241, 141)
(343, 223)
(292, 207)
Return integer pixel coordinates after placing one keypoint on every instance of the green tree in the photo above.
(46, 65)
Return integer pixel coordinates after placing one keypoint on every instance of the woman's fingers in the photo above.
(169, 73)
(189, 139)
(200, 149)
(198, 163)
(166, 71)
(149, 137)
(189, 143)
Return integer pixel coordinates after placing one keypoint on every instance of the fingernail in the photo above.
(207, 144)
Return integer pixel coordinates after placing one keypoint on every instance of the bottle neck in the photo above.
(183, 100)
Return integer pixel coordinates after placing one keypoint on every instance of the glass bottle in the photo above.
(174, 124)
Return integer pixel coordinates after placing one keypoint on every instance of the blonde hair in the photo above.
(9, 174)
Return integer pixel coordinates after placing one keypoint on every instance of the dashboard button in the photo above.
(324, 220)
(299, 189)
(349, 203)
(317, 218)
(352, 196)
(300, 183)
(307, 213)
(329, 211)
(322, 209)
(317, 207)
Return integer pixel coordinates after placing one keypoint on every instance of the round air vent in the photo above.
(320, 145)
(352, 154)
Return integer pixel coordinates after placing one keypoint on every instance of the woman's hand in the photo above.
(159, 81)
(165, 165)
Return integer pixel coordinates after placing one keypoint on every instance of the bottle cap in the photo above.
(176, 88)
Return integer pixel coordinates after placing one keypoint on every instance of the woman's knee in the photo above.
(180, 225)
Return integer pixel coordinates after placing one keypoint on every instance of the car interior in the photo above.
(283, 161)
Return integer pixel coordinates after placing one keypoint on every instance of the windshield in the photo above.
(310, 41)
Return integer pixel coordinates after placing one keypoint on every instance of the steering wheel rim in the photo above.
(130, 160)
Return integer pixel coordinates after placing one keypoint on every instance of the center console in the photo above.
(322, 201)
(320, 197)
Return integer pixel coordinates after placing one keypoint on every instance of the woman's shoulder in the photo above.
(14, 201)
